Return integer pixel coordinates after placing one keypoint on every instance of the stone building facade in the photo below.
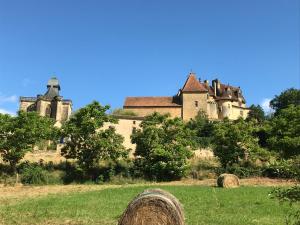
(50, 104)
(216, 100)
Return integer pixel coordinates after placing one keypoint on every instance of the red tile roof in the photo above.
(192, 84)
(151, 101)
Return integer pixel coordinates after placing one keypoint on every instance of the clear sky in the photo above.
(107, 50)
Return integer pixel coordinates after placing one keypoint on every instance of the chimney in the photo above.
(214, 85)
(218, 84)
(206, 83)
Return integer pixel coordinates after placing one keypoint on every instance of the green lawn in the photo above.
(202, 205)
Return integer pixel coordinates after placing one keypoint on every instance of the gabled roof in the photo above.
(192, 84)
(151, 102)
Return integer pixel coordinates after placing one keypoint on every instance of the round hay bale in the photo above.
(227, 180)
(153, 207)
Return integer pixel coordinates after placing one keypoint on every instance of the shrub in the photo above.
(241, 171)
(284, 169)
(292, 196)
(38, 174)
(34, 174)
(203, 168)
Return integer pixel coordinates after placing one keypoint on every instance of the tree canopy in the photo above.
(235, 142)
(257, 113)
(162, 147)
(19, 134)
(288, 97)
(201, 130)
(284, 131)
(86, 139)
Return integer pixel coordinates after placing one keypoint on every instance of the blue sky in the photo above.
(107, 50)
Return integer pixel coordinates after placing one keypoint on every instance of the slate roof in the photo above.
(151, 102)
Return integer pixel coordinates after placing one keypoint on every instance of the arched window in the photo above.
(48, 111)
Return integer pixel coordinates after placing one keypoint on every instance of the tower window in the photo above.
(48, 111)
(196, 103)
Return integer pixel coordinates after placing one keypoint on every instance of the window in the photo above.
(48, 111)
(133, 129)
(133, 122)
(241, 113)
(196, 103)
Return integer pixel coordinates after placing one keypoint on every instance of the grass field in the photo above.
(202, 205)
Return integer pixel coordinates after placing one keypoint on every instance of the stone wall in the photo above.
(192, 104)
(125, 127)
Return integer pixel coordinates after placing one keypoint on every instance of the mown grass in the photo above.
(202, 205)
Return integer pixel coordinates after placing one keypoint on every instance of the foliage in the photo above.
(292, 196)
(86, 139)
(235, 143)
(36, 174)
(19, 134)
(162, 147)
(204, 168)
(242, 171)
(284, 169)
(201, 130)
(257, 113)
(284, 132)
(123, 112)
(288, 97)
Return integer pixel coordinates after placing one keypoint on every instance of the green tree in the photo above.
(235, 143)
(284, 132)
(19, 134)
(288, 97)
(86, 139)
(202, 130)
(162, 147)
(257, 113)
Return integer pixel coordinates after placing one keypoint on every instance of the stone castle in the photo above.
(217, 101)
(50, 104)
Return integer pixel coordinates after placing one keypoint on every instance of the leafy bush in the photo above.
(242, 171)
(203, 168)
(37, 174)
(291, 196)
(284, 169)
(73, 173)
(34, 174)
